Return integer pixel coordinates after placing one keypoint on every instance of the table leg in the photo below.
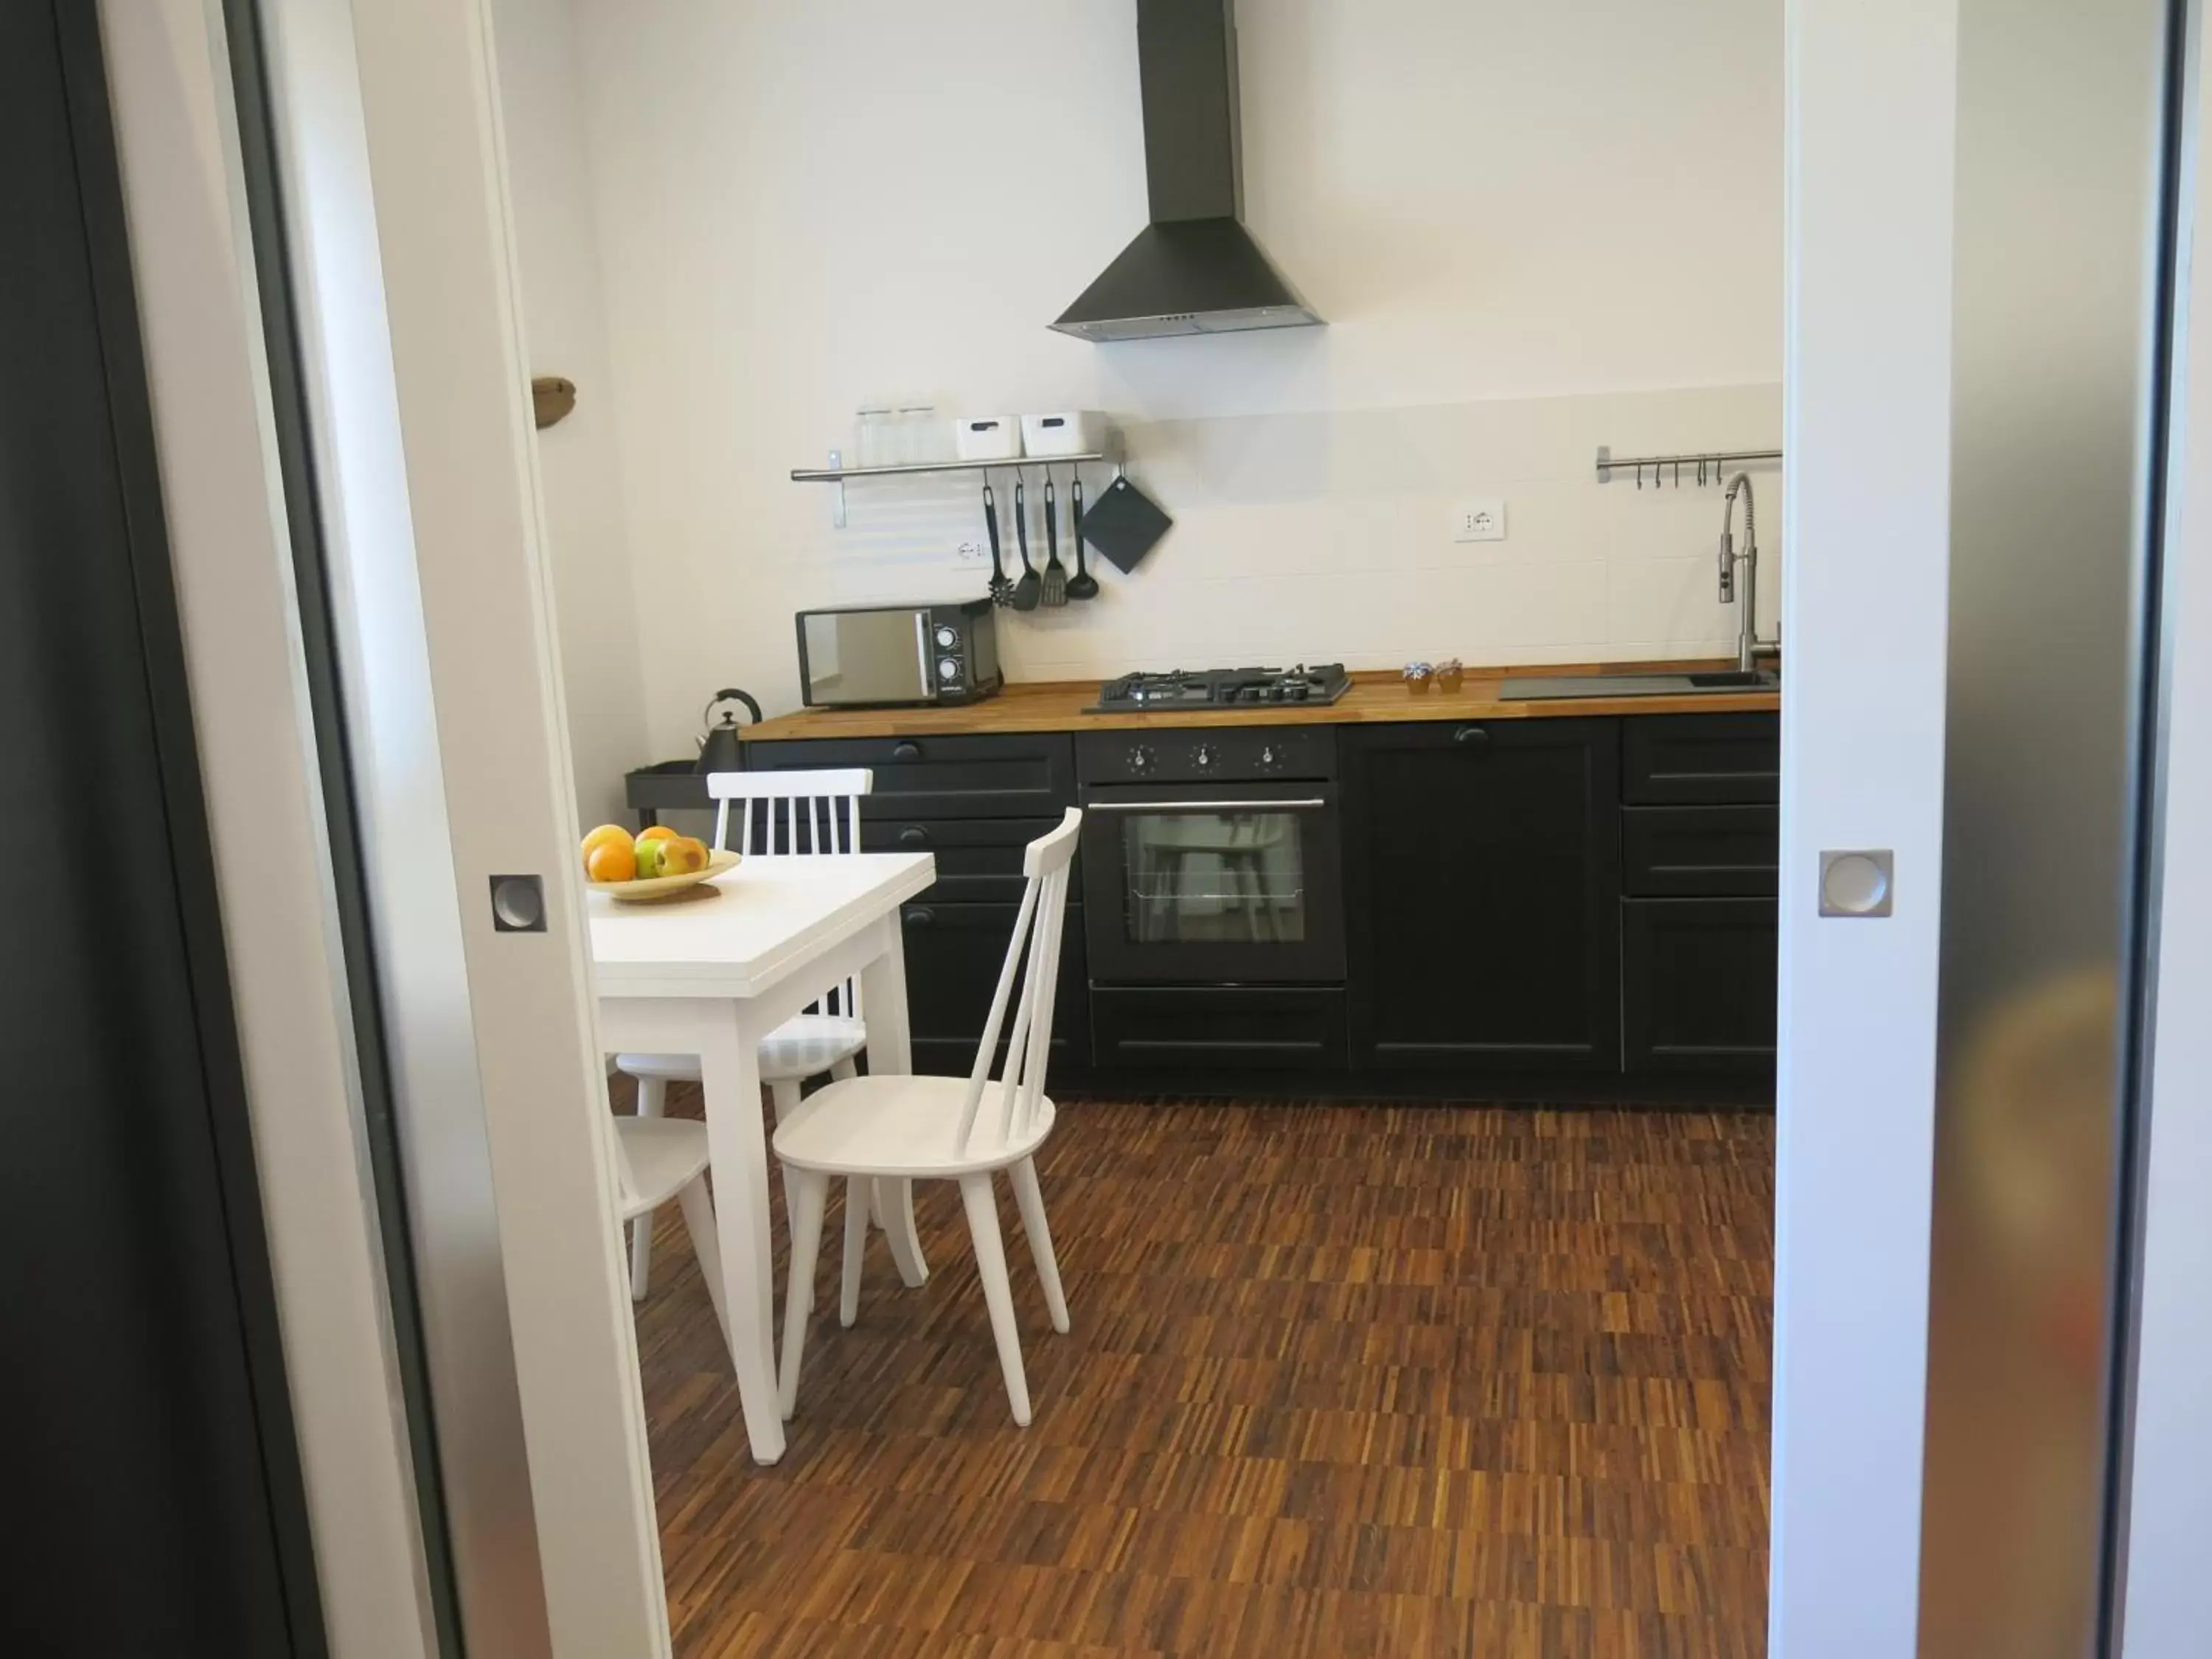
(891, 1053)
(729, 1067)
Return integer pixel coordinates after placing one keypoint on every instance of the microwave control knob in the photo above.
(948, 669)
(1142, 759)
(946, 639)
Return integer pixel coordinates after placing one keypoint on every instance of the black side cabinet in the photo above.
(1698, 922)
(1482, 866)
(1699, 977)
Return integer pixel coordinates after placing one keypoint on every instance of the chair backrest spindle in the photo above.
(1034, 952)
(827, 804)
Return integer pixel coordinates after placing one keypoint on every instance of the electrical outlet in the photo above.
(972, 552)
(1478, 521)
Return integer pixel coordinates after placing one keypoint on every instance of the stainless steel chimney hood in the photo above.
(1195, 268)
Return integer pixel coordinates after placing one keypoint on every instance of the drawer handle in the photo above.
(914, 835)
(1475, 737)
(906, 751)
(919, 915)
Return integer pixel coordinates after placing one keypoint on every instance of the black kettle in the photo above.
(719, 750)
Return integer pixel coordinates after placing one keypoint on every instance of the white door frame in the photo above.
(2168, 1601)
(402, 93)
(1870, 112)
(386, 126)
(193, 267)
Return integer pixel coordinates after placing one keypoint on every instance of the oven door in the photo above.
(1214, 884)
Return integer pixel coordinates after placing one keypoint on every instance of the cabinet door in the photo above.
(1483, 863)
(953, 956)
(1698, 983)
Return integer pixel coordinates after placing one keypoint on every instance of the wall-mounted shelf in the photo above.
(1712, 464)
(839, 474)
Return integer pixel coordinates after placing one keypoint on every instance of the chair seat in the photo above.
(901, 1127)
(665, 1153)
(803, 1046)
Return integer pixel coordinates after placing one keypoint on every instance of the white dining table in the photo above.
(712, 977)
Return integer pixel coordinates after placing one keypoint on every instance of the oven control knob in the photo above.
(946, 639)
(1271, 758)
(1205, 757)
(948, 669)
(1142, 759)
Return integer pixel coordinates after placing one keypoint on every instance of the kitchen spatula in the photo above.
(1124, 524)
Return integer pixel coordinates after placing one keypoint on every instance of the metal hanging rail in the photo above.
(837, 473)
(1712, 465)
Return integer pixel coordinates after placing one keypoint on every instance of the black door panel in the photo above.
(1484, 865)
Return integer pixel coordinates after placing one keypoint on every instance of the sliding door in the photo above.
(153, 1486)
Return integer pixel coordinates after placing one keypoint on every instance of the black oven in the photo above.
(1211, 856)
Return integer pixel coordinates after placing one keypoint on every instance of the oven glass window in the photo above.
(1214, 878)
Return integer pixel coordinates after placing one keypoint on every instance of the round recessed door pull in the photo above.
(912, 836)
(906, 751)
(1475, 737)
(920, 915)
(1857, 882)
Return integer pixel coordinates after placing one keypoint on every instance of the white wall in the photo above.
(1868, 430)
(564, 332)
(1533, 230)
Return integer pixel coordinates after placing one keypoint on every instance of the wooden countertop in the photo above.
(1058, 705)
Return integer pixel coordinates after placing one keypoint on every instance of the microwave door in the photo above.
(860, 656)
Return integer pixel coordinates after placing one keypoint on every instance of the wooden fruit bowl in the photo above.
(658, 889)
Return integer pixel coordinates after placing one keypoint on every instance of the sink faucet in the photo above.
(1747, 641)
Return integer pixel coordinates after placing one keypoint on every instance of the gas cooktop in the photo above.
(1217, 688)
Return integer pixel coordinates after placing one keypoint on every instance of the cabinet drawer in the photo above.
(1697, 984)
(953, 956)
(979, 860)
(1229, 1028)
(1701, 852)
(1701, 760)
(962, 776)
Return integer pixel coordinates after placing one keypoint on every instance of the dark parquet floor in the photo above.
(1344, 1380)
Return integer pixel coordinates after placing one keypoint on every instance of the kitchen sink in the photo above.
(1530, 688)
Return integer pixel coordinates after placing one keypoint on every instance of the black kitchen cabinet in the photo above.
(1701, 852)
(1483, 878)
(954, 953)
(1698, 984)
(962, 775)
(1703, 759)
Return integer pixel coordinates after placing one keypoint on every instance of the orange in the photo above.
(612, 860)
(659, 832)
(607, 835)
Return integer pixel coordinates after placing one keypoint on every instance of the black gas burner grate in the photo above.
(1216, 688)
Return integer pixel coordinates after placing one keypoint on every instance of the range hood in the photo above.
(1195, 268)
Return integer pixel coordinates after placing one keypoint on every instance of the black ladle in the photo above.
(1082, 585)
(1026, 591)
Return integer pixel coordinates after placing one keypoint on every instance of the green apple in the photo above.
(649, 855)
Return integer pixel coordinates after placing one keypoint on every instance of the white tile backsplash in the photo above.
(1305, 536)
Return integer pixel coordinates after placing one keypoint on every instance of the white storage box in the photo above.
(1073, 432)
(988, 437)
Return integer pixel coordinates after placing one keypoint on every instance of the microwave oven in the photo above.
(888, 656)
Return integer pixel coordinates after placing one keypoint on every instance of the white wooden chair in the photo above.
(828, 804)
(659, 1159)
(936, 1128)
